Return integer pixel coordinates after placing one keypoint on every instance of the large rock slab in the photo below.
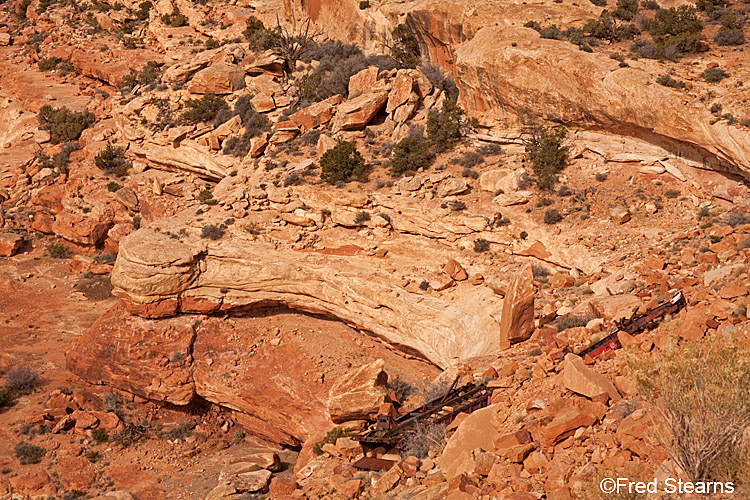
(316, 114)
(614, 307)
(517, 320)
(153, 268)
(355, 113)
(360, 394)
(143, 357)
(80, 229)
(9, 244)
(221, 78)
(581, 379)
(506, 73)
(475, 431)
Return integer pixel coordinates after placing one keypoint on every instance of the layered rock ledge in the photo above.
(161, 275)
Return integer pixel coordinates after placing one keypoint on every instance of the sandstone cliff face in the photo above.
(509, 85)
(157, 273)
(539, 79)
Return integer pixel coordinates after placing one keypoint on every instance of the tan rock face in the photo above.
(355, 113)
(581, 379)
(359, 394)
(221, 78)
(10, 243)
(517, 320)
(154, 269)
(79, 229)
(124, 351)
(504, 72)
(316, 114)
(475, 431)
(614, 307)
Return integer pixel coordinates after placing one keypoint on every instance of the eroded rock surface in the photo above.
(154, 271)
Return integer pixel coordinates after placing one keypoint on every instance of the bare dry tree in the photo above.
(292, 44)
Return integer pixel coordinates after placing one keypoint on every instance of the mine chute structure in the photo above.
(669, 304)
(389, 433)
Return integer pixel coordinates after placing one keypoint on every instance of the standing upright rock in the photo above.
(517, 321)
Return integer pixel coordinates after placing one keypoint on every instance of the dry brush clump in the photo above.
(701, 393)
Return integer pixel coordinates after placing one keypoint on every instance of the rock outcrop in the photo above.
(517, 321)
(160, 276)
(505, 73)
(359, 394)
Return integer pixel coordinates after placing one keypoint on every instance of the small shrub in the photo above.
(149, 75)
(92, 456)
(715, 108)
(714, 75)
(599, 3)
(293, 179)
(341, 163)
(736, 218)
(668, 81)
(58, 251)
(132, 432)
(204, 109)
(180, 431)
(6, 398)
(238, 436)
(729, 36)
(331, 437)
(703, 213)
(258, 36)
(457, 206)
(212, 232)
(676, 31)
(253, 122)
(410, 154)
(571, 321)
(207, 197)
(548, 154)
(481, 245)
(99, 435)
(143, 10)
(650, 5)
(601, 177)
(112, 160)
(176, 19)
(402, 388)
(361, 217)
(59, 161)
(64, 124)
(113, 187)
(48, 64)
(435, 390)
(539, 271)
(471, 174)
(552, 216)
(422, 439)
(21, 380)
(444, 126)
(28, 453)
(671, 193)
(625, 10)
